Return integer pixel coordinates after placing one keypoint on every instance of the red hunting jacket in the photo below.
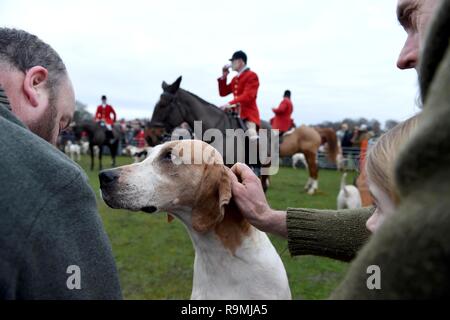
(245, 90)
(282, 120)
(105, 114)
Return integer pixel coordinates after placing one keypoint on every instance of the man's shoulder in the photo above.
(33, 173)
(30, 163)
(249, 75)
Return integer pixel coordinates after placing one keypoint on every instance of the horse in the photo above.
(307, 140)
(97, 136)
(177, 105)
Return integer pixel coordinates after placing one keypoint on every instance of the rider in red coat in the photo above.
(244, 88)
(105, 113)
(282, 120)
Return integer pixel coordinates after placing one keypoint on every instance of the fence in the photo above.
(351, 158)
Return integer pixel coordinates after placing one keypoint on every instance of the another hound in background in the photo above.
(72, 150)
(299, 157)
(349, 197)
(233, 259)
(138, 154)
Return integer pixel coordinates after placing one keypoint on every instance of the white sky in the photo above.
(337, 57)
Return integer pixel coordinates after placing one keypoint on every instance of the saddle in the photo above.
(109, 133)
(234, 115)
(285, 134)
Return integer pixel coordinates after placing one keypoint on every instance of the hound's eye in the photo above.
(168, 156)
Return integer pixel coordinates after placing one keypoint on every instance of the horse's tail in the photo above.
(329, 135)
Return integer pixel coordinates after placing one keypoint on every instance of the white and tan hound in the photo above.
(187, 178)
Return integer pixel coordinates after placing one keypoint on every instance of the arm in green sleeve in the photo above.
(337, 234)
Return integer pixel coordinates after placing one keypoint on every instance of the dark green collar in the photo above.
(5, 109)
(4, 99)
(436, 46)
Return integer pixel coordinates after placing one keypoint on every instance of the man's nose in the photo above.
(409, 56)
(108, 177)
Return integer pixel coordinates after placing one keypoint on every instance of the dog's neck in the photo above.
(231, 255)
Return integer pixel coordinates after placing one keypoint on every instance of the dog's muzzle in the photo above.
(108, 178)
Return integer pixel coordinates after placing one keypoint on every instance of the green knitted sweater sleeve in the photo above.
(337, 234)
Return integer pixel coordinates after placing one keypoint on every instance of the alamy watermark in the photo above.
(235, 145)
(74, 280)
(374, 280)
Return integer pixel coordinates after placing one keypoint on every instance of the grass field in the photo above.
(155, 258)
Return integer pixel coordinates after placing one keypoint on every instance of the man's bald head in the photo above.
(35, 80)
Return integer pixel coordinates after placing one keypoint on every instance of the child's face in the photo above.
(384, 207)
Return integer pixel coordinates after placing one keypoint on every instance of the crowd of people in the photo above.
(132, 132)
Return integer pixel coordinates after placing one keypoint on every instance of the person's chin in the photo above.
(48, 133)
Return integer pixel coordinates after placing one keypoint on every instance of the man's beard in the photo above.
(46, 125)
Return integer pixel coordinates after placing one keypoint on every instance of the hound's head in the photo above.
(186, 178)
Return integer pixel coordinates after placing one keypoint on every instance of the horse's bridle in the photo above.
(172, 101)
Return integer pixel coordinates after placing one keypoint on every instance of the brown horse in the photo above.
(307, 140)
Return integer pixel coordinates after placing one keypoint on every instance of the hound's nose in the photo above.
(108, 177)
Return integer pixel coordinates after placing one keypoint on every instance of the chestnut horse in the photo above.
(307, 140)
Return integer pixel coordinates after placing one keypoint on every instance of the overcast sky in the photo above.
(337, 57)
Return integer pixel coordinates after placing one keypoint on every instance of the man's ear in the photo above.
(34, 85)
(212, 197)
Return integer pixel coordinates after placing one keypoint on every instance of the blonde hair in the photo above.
(381, 157)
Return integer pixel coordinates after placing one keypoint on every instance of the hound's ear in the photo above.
(164, 86)
(212, 197)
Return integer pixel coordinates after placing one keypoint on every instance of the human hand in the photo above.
(252, 203)
(225, 70)
(224, 107)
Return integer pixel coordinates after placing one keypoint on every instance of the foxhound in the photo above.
(187, 178)
(73, 149)
(138, 154)
(299, 157)
(349, 196)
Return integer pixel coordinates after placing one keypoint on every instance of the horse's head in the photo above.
(167, 113)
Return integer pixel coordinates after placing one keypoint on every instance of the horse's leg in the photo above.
(91, 149)
(113, 150)
(100, 153)
(308, 183)
(310, 180)
(313, 182)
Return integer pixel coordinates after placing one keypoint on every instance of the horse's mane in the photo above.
(203, 101)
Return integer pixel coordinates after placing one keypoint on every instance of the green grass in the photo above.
(155, 258)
